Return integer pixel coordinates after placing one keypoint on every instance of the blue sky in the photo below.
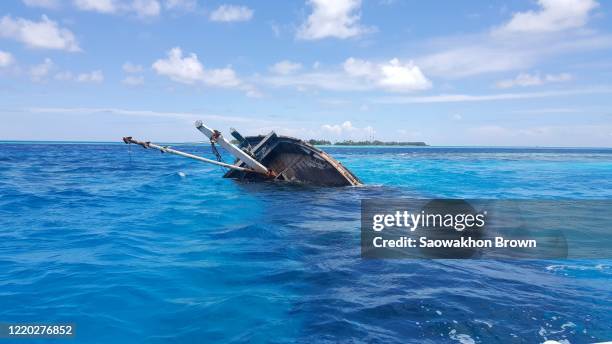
(533, 73)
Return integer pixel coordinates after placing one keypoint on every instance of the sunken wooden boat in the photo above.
(269, 157)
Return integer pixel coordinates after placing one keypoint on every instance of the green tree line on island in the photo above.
(358, 143)
(365, 143)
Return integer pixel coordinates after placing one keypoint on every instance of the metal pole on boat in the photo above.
(129, 139)
(216, 136)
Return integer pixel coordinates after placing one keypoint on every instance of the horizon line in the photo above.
(203, 142)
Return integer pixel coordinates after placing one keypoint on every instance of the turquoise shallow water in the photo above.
(134, 246)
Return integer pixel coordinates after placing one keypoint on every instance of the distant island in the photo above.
(366, 143)
(357, 143)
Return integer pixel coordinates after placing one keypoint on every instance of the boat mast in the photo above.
(163, 149)
(216, 136)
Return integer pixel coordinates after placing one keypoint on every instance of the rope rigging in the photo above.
(213, 140)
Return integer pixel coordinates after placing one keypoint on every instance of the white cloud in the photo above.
(186, 70)
(95, 76)
(142, 8)
(189, 70)
(454, 98)
(553, 15)
(392, 75)
(251, 91)
(359, 75)
(338, 128)
(223, 77)
(6, 59)
(118, 111)
(39, 72)
(461, 59)
(185, 5)
(523, 79)
(558, 77)
(275, 29)
(64, 76)
(150, 113)
(480, 54)
(42, 3)
(102, 6)
(133, 80)
(553, 30)
(331, 80)
(231, 13)
(347, 129)
(575, 135)
(359, 68)
(526, 79)
(129, 67)
(285, 67)
(557, 110)
(45, 34)
(146, 8)
(337, 18)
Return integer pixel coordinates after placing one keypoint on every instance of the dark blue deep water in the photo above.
(138, 247)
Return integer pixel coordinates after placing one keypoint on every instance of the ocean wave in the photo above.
(154, 248)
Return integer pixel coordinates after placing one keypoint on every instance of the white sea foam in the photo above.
(461, 337)
(563, 267)
(483, 322)
(545, 333)
(567, 325)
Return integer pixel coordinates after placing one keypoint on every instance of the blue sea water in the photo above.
(137, 247)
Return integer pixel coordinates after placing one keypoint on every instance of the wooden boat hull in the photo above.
(293, 160)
